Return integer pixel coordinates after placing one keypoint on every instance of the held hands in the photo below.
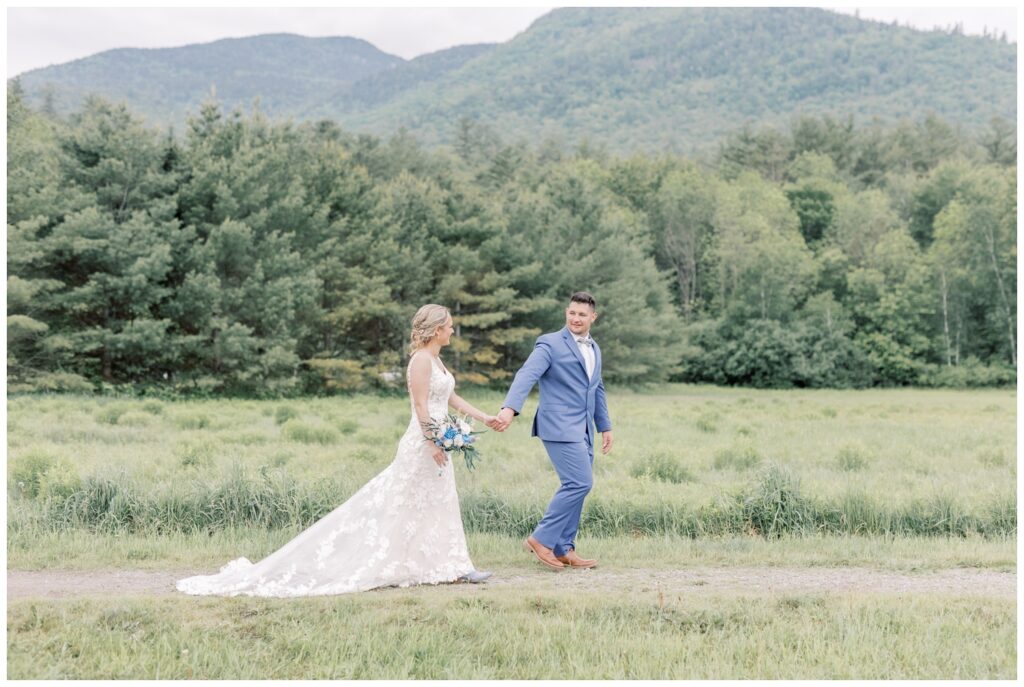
(504, 419)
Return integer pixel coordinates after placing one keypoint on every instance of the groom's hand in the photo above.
(504, 419)
(606, 444)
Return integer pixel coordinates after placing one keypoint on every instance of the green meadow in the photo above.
(687, 460)
(460, 633)
(898, 479)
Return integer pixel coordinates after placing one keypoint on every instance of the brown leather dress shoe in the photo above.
(542, 553)
(574, 561)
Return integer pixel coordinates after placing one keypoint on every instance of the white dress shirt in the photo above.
(587, 351)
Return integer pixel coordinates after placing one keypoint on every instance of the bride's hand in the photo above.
(489, 421)
(439, 456)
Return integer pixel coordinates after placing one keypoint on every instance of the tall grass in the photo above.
(663, 468)
(272, 499)
(770, 504)
(688, 460)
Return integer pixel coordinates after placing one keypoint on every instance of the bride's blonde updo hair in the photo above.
(425, 323)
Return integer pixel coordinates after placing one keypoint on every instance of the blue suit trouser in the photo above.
(574, 463)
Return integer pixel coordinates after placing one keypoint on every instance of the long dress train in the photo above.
(402, 528)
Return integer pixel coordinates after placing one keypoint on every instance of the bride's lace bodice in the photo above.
(402, 528)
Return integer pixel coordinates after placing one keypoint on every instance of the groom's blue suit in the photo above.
(570, 404)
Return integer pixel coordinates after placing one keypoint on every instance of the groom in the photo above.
(567, 364)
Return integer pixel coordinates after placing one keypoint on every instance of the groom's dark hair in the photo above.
(584, 297)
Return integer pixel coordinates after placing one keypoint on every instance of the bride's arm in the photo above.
(466, 408)
(419, 385)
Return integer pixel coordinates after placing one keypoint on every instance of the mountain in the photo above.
(389, 84)
(286, 72)
(678, 78)
(648, 79)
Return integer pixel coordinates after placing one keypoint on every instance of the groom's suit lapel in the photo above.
(571, 343)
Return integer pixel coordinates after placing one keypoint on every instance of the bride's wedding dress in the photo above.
(402, 528)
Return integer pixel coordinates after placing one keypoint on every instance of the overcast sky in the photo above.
(37, 37)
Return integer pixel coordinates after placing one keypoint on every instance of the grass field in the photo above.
(446, 633)
(910, 480)
(902, 461)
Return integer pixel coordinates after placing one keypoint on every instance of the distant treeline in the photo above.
(257, 258)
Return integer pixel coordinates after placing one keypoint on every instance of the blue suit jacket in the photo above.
(570, 403)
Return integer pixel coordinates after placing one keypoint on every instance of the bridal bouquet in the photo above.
(455, 434)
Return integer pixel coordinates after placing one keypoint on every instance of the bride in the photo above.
(402, 528)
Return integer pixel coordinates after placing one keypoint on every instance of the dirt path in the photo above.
(23, 584)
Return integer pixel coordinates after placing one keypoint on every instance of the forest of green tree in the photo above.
(254, 258)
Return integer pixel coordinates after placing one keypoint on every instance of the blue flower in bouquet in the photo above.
(454, 434)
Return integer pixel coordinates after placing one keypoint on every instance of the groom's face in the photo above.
(579, 317)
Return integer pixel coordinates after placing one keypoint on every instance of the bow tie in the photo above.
(585, 342)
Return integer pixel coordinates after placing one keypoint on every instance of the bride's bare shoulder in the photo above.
(419, 361)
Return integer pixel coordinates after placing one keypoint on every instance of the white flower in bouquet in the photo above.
(454, 434)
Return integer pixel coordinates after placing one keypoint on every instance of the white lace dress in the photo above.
(402, 528)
